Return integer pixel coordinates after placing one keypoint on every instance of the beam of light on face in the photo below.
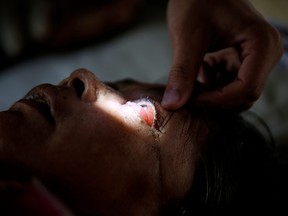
(132, 111)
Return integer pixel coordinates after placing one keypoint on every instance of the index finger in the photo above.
(188, 55)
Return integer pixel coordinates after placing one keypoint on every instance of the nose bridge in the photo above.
(86, 85)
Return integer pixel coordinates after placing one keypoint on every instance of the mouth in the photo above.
(40, 103)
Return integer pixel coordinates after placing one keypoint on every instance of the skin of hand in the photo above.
(202, 34)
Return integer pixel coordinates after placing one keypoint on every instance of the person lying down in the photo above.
(84, 147)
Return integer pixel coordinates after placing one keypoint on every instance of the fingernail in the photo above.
(171, 96)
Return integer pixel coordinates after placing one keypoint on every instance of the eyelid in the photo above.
(161, 117)
(148, 112)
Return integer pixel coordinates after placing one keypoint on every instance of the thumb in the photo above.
(182, 76)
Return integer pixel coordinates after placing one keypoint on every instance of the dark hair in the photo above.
(238, 167)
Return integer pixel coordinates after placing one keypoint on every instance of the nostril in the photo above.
(78, 86)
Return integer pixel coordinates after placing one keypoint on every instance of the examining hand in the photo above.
(215, 39)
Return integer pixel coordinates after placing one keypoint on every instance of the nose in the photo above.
(85, 84)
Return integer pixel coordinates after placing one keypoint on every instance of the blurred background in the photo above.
(43, 41)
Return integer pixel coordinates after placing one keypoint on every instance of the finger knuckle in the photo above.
(252, 94)
(271, 37)
(276, 40)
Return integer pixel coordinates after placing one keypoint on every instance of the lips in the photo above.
(39, 99)
(41, 104)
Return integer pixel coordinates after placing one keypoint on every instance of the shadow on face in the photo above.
(99, 145)
(111, 149)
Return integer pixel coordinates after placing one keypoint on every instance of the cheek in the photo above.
(92, 135)
(23, 139)
(121, 164)
(98, 136)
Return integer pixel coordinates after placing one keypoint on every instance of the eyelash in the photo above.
(160, 120)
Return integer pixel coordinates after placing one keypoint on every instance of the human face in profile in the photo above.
(109, 149)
